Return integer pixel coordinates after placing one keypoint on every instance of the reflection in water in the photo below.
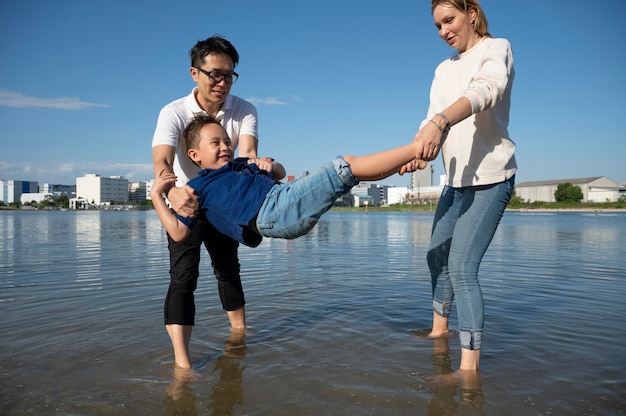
(330, 312)
(447, 384)
(227, 392)
(87, 232)
(180, 400)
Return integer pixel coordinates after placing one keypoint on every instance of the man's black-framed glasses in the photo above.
(217, 77)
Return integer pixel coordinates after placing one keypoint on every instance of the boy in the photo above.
(243, 197)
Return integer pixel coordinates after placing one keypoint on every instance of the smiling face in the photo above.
(211, 95)
(455, 26)
(213, 148)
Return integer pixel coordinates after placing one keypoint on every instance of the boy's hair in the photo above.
(481, 26)
(214, 45)
(191, 134)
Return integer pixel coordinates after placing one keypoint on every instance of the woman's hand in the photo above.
(429, 140)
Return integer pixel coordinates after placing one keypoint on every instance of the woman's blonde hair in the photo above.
(480, 24)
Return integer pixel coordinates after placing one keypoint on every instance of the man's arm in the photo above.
(248, 146)
(183, 199)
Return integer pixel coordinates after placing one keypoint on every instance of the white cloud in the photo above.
(66, 173)
(18, 100)
(273, 100)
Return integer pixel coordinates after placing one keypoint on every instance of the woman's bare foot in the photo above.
(470, 359)
(468, 379)
(440, 327)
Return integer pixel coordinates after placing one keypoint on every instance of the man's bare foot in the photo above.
(237, 318)
(235, 344)
(185, 375)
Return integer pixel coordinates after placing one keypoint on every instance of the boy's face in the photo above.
(214, 147)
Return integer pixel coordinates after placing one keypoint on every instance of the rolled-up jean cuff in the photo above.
(471, 340)
(344, 172)
(442, 309)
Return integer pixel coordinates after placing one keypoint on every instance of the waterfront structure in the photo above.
(373, 193)
(99, 190)
(138, 191)
(58, 190)
(594, 189)
(422, 177)
(38, 197)
(12, 190)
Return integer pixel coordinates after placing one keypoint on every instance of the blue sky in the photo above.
(82, 81)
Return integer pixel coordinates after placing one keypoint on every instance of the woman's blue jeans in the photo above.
(465, 223)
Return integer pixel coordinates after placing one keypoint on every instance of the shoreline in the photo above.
(542, 210)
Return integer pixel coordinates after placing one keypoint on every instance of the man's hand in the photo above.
(264, 163)
(184, 201)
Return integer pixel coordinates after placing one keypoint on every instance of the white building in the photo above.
(139, 191)
(422, 177)
(11, 190)
(594, 189)
(397, 195)
(374, 194)
(38, 197)
(98, 190)
(58, 190)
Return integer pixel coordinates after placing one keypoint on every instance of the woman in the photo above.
(467, 119)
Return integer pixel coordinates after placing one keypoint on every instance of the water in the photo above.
(335, 319)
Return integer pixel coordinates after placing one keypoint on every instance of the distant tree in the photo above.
(62, 201)
(566, 192)
(516, 200)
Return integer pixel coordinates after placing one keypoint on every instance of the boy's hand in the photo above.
(184, 200)
(163, 182)
(412, 166)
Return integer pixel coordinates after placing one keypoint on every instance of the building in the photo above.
(139, 191)
(374, 194)
(398, 195)
(27, 198)
(11, 190)
(594, 189)
(422, 177)
(58, 190)
(97, 190)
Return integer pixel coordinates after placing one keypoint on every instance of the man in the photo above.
(213, 63)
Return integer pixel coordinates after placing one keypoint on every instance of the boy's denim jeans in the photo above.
(293, 209)
(465, 223)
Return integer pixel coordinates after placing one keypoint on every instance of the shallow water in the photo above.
(335, 320)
